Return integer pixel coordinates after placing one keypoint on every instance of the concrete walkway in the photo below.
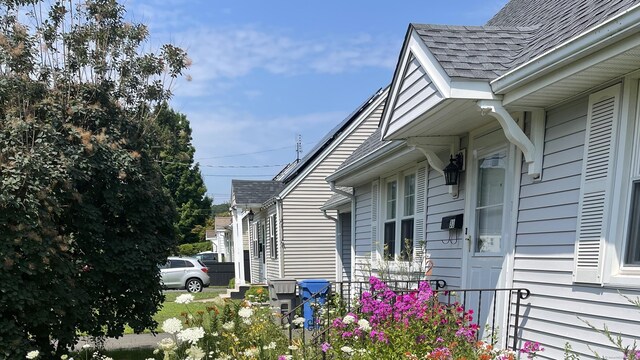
(130, 341)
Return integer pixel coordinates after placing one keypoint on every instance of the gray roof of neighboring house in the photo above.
(477, 52)
(254, 191)
(520, 31)
(329, 137)
(371, 144)
(336, 199)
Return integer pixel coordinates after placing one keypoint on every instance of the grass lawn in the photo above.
(171, 309)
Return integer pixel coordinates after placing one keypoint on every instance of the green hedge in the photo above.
(194, 248)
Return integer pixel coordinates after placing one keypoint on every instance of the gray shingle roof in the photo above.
(329, 137)
(476, 52)
(520, 31)
(254, 191)
(557, 20)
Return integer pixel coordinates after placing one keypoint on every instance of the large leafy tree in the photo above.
(84, 216)
(181, 175)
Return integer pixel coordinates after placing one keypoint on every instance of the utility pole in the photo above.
(298, 147)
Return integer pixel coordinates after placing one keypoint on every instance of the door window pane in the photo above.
(406, 239)
(392, 190)
(491, 179)
(389, 240)
(409, 194)
(633, 245)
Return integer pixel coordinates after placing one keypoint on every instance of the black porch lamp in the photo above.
(250, 215)
(452, 171)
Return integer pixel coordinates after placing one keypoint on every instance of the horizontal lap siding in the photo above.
(545, 240)
(446, 254)
(309, 237)
(417, 89)
(273, 265)
(362, 241)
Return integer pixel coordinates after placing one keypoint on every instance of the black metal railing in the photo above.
(339, 298)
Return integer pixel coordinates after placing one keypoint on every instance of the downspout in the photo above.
(281, 237)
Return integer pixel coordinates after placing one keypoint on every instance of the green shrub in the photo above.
(193, 248)
(232, 283)
(257, 294)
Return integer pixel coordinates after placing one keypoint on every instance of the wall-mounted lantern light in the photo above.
(250, 215)
(452, 171)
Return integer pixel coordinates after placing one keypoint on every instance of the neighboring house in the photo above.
(247, 197)
(290, 236)
(542, 102)
(221, 238)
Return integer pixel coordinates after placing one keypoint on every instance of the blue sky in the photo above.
(265, 71)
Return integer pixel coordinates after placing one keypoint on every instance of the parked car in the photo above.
(207, 257)
(184, 273)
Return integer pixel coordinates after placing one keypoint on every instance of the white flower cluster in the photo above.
(184, 299)
(172, 325)
(349, 319)
(364, 325)
(298, 321)
(251, 352)
(191, 335)
(347, 349)
(245, 312)
(167, 345)
(195, 353)
(33, 354)
(228, 326)
(271, 346)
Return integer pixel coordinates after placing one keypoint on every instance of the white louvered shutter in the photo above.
(595, 190)
(375, 209)
(420, 215)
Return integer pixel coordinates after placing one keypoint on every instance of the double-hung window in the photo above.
(399, 216)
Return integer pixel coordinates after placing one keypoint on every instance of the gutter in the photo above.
(278, 201)
(363, 162)
(618, 27)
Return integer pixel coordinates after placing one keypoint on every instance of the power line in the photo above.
(223, 166)
(243, 154)
(239, 175)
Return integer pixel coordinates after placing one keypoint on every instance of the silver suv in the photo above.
(184, 273)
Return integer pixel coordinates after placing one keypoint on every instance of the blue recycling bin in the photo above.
(312, 288)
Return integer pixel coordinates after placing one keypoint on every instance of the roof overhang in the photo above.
(446, 94)
(377, 163)
(602, 53)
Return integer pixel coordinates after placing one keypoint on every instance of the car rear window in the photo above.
(178, 263)
(201, 264)
(189, 264)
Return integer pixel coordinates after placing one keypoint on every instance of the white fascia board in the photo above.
(366, 161)
(472, 90)
(414, 46)
(620, 26)
(364, 115)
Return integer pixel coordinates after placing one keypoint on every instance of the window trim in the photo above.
(273, 243)
(615, 271)
(399, 178)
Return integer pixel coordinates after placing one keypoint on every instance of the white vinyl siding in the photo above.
(544, 254)
(416, 91)
(309, 238)
(446, 253)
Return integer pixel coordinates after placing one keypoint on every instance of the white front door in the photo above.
(490, 179)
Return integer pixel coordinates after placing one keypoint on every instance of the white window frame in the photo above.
(626, 172)
(399, 178)
(273, 241)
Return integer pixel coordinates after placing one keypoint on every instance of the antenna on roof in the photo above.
(298, 147)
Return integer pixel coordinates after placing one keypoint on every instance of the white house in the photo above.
(542, 105)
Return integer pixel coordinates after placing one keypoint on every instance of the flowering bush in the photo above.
(228, 330)
(414, 325)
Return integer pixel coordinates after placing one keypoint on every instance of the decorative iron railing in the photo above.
(339, 298)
